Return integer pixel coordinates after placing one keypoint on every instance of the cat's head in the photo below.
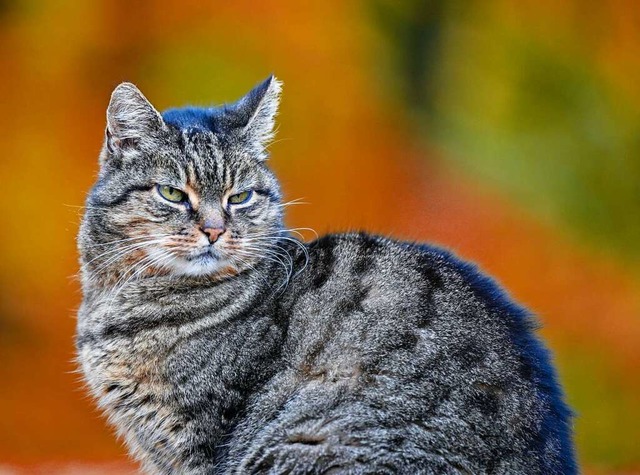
(185, 192)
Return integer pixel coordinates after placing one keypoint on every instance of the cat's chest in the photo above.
(126, 369)
(128, 346)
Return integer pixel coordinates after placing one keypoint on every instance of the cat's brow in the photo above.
(194, 197)
(192, 179)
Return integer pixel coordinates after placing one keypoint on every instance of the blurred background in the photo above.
(506, 131)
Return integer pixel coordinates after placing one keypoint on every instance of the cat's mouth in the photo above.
(206, 255)
(204, 261)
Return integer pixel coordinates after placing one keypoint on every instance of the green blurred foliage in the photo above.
(530, 115)
(607, 424)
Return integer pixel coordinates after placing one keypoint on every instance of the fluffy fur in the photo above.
(258, 353)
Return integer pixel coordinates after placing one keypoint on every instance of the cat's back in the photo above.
(393, 344)
(384, 295)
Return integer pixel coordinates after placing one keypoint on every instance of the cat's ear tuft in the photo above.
(131, 119)
(255, 114)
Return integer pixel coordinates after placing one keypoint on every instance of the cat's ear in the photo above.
(131, 119)
(254, 115)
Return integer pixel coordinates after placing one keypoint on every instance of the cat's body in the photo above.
(350, 354)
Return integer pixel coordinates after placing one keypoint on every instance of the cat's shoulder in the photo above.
(393, 259)
(457, 281)
(383, 249)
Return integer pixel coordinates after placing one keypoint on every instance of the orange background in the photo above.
(370, 141)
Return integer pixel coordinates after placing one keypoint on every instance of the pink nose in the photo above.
(213, 233)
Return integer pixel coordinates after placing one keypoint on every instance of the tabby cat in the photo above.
(218, 343)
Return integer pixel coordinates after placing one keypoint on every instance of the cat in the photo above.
(218, 343)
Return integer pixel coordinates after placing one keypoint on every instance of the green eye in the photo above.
(172, 194)
(240, 198)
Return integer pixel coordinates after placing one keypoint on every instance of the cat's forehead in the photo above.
(210, 161)
(199, 138)
(204, 119)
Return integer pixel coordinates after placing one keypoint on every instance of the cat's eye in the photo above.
(172, 194)
(240, 198)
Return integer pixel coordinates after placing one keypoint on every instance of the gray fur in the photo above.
(351, 354)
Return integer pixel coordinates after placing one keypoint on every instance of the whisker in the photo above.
(297, 201)
(294, 241)
(142, 265)
(85, 206)
(116, 241)
(274, 254)
(280, 232)
(269, 258)
(249, 265)
(120, 252)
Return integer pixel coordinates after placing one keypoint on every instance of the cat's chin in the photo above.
(204, 264)
(199, 266)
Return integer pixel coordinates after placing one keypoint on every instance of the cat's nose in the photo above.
(213, 233)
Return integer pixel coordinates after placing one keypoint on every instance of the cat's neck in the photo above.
(181, 303)
(166, 289)
(149, 301)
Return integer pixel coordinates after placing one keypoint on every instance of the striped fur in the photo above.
(350, 354)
